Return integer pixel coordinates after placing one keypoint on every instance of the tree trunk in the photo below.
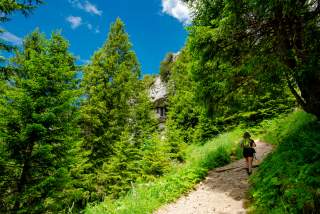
(24, 178)
(311, 95)
(309, 82)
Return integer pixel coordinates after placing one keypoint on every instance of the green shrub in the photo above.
(218, 157)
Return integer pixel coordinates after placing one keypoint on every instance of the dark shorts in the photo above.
(248, 152)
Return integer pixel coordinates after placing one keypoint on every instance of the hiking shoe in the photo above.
(247, 171)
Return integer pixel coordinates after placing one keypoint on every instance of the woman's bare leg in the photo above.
(250, 160)
(247, 164)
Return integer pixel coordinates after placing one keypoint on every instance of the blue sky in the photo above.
(156, 27)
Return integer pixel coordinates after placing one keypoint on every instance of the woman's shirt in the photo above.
(246, 142)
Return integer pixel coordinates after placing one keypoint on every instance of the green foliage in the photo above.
(7, 7)
(187, 121)
(165, 67)
(155, 161)
(38, 132)
(241, 51)
(146, 197)
(183, 114)
(288, 180)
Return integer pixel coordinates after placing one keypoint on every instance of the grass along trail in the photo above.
(223, 190)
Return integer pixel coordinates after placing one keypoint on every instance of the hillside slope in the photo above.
(288, 181)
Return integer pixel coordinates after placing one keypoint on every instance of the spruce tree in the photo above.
(38, 108)
(109, 83)
(7, 8)
(116, 116)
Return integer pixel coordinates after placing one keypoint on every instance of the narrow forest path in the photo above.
(222, 192)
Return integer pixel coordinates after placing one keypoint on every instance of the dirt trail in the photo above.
(222, 192)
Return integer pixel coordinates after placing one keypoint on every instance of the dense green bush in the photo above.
(288, 181)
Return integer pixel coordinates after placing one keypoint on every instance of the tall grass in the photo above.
(147, 197)
(288, 181)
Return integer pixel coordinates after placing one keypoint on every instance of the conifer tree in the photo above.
(116, 116)
(38, 108)
(110, 83)
(7, 7)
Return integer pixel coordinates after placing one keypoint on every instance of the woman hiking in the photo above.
(248, 151)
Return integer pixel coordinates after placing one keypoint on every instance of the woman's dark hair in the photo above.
(246, 135)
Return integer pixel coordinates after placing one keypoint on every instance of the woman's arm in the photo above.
(253, 144)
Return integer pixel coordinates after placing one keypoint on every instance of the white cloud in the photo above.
(97, 30)
(90, 8)
(178, 10)
(75, 21)
(86, 6)
(82, 61)
(85, 61)
(9, 37)
(93, 28)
